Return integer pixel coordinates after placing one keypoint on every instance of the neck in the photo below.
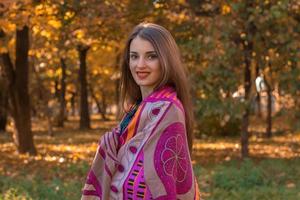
(145, 91)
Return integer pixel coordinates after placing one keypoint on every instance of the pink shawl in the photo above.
(150, 160)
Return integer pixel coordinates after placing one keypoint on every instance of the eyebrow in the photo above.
(148, 52)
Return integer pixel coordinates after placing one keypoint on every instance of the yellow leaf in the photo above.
(182, 16)
(106, 71)
(35, 29)
(79, 34)
(3, 49)
(95, 72)
(39, 10)
(109, 48)
(7, 26)
(69, 15)
(58, 72)
(31, 52)
(226, 9)
(46, 34)
(54, 23)
(38, 54)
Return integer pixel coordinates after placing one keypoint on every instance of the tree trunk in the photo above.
(3, 111)
(101, 108)
(19, 101)
(3, 122)
(104, 106)
(84, 107)
(72, 101)
(62, 108)
(269, 110)
(248, 49)
(245, 119)
(56, 89)
(3, 106)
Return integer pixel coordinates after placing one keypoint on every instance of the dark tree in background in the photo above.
(84, 106)
(19, 102)
(3, 103)
(62, 100)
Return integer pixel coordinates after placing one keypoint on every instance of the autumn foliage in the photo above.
(59, 79)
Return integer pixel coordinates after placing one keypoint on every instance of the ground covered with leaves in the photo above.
(59, 169)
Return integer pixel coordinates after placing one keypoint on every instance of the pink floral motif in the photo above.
(172, 161)
(154, 110)
(174, 158)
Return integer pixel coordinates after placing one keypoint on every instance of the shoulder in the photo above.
(166, 95)
(166, 108)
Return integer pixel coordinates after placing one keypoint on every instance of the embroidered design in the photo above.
(154, 110)
(174, 158)
(134, 186)
(172, 161)
(92, 186)
(126, 157)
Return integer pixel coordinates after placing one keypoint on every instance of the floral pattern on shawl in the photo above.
(174, 158)
(173, 166)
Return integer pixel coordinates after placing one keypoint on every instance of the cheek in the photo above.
(131, 68)
(158, 70)
(132, 64)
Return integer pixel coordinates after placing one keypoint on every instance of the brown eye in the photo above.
(133, 56)
(152, 56)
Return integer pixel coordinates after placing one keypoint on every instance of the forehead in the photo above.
(140, 45)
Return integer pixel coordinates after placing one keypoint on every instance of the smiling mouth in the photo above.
(142, 75)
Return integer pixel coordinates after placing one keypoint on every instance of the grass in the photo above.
(270, 179)
(28, 186)
(59, 170)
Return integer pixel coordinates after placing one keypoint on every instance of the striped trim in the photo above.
(197, 192)
(132, 126)
(89, 193)
(89, 187)
(92, 180)
(115, 139)
(108, 171)
(165, 94)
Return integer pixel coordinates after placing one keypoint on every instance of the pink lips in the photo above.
(142, 75)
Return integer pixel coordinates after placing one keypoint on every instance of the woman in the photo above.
(147, 155)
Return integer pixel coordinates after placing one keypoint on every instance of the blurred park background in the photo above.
(59, 79)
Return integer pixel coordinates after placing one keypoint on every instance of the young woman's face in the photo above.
(144, 64)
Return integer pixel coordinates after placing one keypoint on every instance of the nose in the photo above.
(141, 62)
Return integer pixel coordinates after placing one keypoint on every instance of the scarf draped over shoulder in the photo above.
(149, 159)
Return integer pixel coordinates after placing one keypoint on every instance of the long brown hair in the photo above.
(173, 71)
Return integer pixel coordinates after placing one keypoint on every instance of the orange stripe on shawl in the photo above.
(159, 94)
(132, 124)
(197, 192)
(169, 94)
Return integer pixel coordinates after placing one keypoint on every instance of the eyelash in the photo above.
(133, 57)
(153, 56)
(150, 57)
